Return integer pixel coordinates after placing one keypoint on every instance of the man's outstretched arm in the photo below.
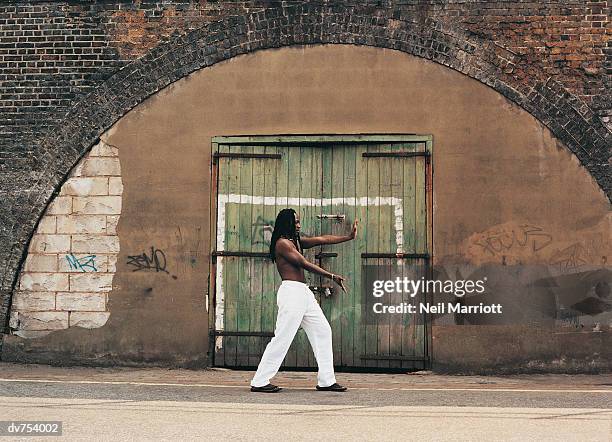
(286, 249)
(312, 241)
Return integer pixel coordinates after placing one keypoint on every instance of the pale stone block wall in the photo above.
(72, 258)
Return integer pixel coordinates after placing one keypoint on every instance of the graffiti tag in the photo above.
(262, 231)
(496, 242)
(87, 263)
(571, 257)
(155, 261)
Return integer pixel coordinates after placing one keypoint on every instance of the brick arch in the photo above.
(569, 119)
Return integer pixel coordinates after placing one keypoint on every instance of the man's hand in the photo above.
(354, 231)
(340, 281)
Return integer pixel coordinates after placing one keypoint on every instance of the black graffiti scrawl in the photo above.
(156, 261)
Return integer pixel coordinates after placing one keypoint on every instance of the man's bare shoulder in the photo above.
(284, 244)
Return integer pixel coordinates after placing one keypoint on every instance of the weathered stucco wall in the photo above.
(496, 170)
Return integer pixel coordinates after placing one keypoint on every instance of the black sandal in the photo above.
(266, 389)
(333, 387)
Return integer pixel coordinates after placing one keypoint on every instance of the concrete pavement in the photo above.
(162, 404)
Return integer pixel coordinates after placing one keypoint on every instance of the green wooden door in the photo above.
(330, 181)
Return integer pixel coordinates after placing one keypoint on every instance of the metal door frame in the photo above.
(300, 140)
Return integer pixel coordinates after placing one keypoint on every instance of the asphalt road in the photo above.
(102, 410)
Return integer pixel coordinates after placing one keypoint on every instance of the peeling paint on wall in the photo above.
(72, 257)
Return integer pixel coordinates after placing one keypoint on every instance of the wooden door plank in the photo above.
(212, 272)
(373, 222)
(243, 307)
(420, 204)
(316, 192)
(270, 285)
(326, 192)
(409, 209)
(337, 317)
(257, 265)
(348, 259)
(421, 233)
(230, 281)
(386, 232)
(220, 304)
(396, 191)
(361, 212)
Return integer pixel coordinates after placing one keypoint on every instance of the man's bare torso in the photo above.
(287, 270)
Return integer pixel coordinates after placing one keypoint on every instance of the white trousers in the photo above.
(297, 307)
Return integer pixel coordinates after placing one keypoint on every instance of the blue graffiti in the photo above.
(87, 263)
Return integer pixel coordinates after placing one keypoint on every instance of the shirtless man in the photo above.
(297, 305)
